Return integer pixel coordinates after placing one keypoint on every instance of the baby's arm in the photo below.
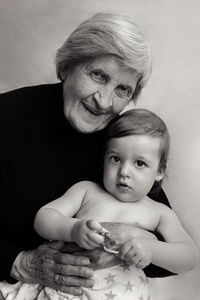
(55, 221)
(177, 254)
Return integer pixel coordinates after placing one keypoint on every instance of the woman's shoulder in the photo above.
(24, 93)
(15, 104)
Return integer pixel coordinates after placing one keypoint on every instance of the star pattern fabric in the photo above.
(125, 267)
(110, 296)
(129, 286)
(110, 278)
(121, 282)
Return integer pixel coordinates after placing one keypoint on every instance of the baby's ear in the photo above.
(159, 176)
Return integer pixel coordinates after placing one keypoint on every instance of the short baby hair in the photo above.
(142, 122)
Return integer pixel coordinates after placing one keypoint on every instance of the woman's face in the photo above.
(96, 92)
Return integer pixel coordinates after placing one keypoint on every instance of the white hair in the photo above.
(107, 34)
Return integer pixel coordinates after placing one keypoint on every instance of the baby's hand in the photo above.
(88, 234)
(136, 251)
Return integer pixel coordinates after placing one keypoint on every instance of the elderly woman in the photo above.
(51, 136)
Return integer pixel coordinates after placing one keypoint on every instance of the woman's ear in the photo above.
(159, 176)
(63, 75)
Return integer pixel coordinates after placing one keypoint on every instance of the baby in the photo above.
(135, 159)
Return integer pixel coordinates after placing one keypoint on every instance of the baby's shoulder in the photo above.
(157, 206)
(88, 186)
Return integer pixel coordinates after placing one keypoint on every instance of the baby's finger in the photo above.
(129, 254)
(134, 260)
(124, 250)
(142, 264)
(94, 225)
(95, 237)
(88, 244)
(103, 231)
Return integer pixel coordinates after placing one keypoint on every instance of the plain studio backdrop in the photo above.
(31, 32)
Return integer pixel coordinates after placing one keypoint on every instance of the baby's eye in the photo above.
(115, 158)
(140, 164)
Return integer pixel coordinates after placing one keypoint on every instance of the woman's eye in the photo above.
(115, 159)
(124, 92)
(97, 75)
(140, 164)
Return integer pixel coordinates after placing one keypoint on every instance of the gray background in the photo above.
(31, 31)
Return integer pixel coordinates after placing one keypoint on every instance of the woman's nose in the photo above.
(103, 99)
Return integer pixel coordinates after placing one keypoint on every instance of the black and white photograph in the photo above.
(99, 150)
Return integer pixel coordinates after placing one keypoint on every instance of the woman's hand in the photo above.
(120, 233)
(50, 266)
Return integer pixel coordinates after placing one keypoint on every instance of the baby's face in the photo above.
(131, 166)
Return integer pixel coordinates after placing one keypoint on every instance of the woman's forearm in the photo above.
(121, 232)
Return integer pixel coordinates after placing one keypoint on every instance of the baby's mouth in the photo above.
(123, 185)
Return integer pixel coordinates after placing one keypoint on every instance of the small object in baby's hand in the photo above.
(109, 245)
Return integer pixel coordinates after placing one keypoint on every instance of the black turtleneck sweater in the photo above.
(41, 156)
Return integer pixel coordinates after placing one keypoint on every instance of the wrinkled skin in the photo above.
(67, 267)
(50, 266)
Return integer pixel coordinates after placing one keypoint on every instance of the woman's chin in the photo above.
(89, 126)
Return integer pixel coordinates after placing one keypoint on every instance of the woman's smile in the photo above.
(92, 109)
(96, 92)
